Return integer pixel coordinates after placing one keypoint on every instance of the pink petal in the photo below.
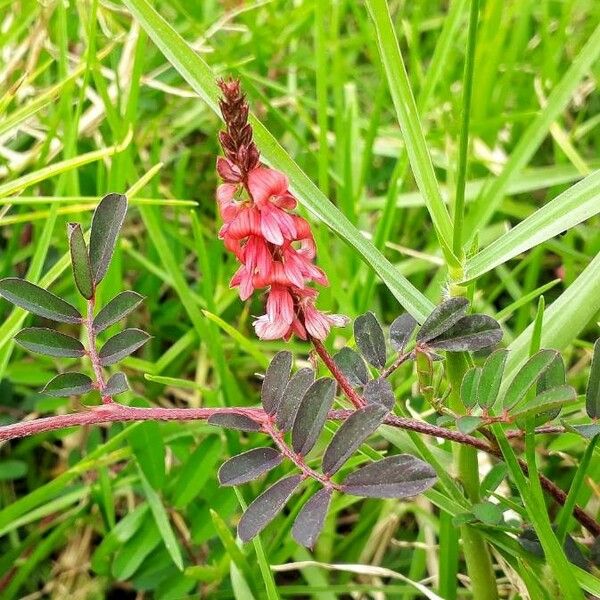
(270, 228)
(264, 183)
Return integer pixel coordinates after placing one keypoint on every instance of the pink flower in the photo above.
(318, 323)
(276, 250)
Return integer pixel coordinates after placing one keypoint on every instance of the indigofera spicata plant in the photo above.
(314, 419)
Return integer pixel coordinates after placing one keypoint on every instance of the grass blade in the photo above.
(577, 204)
(406, 111)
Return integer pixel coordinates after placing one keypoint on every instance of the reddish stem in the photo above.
(277, 436)
(344, 384)
(92, 351)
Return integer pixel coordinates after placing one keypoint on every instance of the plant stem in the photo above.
(477, 556)
(92, 351)
(117, 413)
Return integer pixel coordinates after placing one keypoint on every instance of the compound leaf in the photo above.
(370, 339)
(121, 345)
(399, 476)
(351, 434)
(266, 507)
(38, 301)
(248, 466)
(309, 522)
(49, 342)
(312, 414)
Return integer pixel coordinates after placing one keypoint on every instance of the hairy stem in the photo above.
(113, 412)
(344, 384)
(92, 351)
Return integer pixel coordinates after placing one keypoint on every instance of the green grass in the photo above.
(414, 190)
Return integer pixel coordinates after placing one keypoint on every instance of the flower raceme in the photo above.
(275, 247)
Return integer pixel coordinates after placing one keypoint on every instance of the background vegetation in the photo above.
(89, 104)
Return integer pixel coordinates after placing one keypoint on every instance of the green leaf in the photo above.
(473, 332)
(535, 133)
(310, 519)
(494, 477)
(527, 377)
(197, 471)
(294, 391)
(148, 447)
(248, 466)
(49, 342)
(106, 223)
(162, 522)
(352, 365)
(408, 118)
(68, 384)
(549, 400)
(370, 339)
(576, 204)
(351, 434)
(565, 318)
(468, 423)
(117, 384)
(442, 318)
(488, 513)
(228, 541)
(80, 261)
(38, 301)
(470, 386)
(491, 378)
(399, 476)
(276, 378)
(401, 331)
(589, 430)
(266, 507)
(12, 469)
(592, 393)
(121, 345)
(312, 414)
(118, 308)
(202, 80)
